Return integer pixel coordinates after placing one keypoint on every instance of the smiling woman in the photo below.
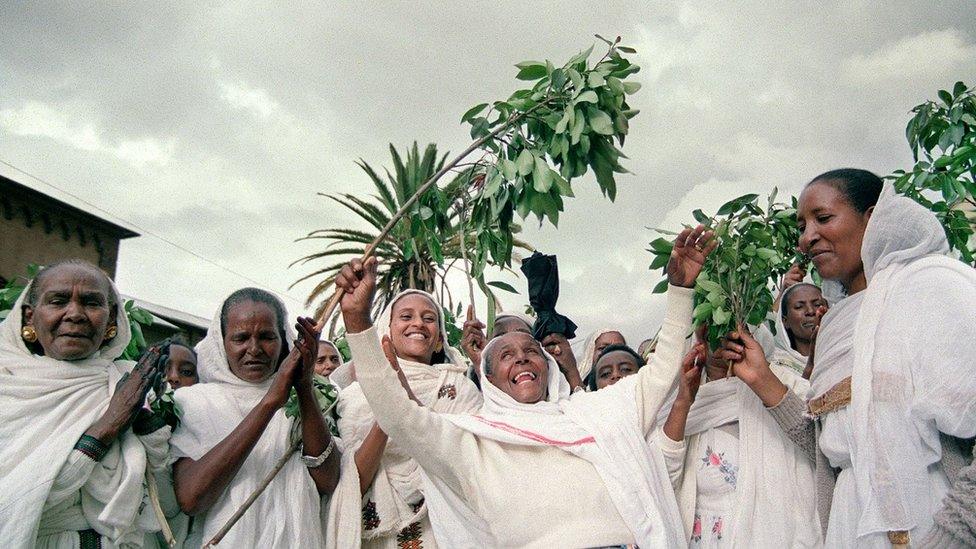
(71, 469)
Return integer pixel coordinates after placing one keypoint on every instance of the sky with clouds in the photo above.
(213, 125)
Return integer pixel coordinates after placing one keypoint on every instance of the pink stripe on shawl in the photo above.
(533, 436)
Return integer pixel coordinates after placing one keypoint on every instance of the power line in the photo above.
(152, 234)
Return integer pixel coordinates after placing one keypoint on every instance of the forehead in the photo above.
(611, 336)
(250, 312)
(179, 353)
(326, 348)
(820, 195)
(416, 302)
(67, 277)
(804, 293)
(510, 324)
(513, 340)
(616, 357)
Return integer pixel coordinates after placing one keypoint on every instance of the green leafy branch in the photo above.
(756, 247)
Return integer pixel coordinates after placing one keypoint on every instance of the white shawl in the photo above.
(45, 406)
(287, 512)
(602, 428)
(397, 490)
(913, 368)
(774, 497)
(586, 361)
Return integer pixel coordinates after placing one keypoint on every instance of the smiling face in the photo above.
(327, 360)
(181, 370)
(800, 311)
(605, 340)
(72, 312)
(518, 367)
(252, 341)
(415, 328)
(614, 366)
(831, 231)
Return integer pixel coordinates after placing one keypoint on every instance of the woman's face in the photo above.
(252, 341)
(415, 328)
(519, 368)
(181, 370)
(800, 311)
(605, 340)
(831, 231)
(612, 367)
(72, 313)
(327, 360)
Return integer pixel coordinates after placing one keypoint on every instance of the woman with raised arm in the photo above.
(380, 500)
(894, 362)
(535, 467)
(234, 429)
(76, 444)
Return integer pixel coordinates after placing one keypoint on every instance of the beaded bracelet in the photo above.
(91, 447)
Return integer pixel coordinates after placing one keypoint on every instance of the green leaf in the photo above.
(599, 121)
(526, 161)
(531, 70)
(701, 312)
(508, 169)
(595, 80)
(660, 287)
(503, 286)
(631, 88)
(946, 97)
(576, 78)
(662, 245)
(708, 285)
(541, 176)
(473, 111)
(720, 316)
(660, 261)
(426, 213)
(588, 96)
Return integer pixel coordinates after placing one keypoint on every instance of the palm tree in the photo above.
(422, 247)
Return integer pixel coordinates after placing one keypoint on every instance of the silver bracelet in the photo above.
(314, 461)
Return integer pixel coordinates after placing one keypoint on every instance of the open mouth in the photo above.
(523, 377)
(417, 336)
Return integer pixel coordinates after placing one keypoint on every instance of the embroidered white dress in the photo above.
(716, 473)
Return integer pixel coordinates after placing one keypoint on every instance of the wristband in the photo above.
(315, 461)
(91, 447)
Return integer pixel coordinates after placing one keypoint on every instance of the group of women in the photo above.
(847, 427)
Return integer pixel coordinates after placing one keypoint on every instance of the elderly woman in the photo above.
(801, 307)
(380, 501)
(536, 467)
(893, 371)
(328, 358)
(74, 457)
(615, 363)
(234, 429)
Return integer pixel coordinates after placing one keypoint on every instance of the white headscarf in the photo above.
(46, 406)
(785, 354)
(602, 428)
(913, 362)
(515, 314)
(586, 361)
(287, 512)
(397, 488)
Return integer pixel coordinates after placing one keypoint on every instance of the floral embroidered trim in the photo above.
(715, 459)
(717, 526)
(696, 529)
(371, 519)
(409, 537)
(533, 436)
(447, 391)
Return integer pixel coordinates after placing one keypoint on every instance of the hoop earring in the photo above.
(28, 334)
(111, 332)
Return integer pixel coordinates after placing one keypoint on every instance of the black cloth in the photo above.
(542, 275)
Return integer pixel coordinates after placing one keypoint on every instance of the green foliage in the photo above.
(756, 247)
(942, 136)
(11, 292)
(420, 249)
(541, 137)
(325, 394)
(165, 407)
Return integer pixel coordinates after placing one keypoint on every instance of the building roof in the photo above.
(171, 316)
(55, 199)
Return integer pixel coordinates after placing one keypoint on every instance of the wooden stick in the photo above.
(158, 508)
(261, 487)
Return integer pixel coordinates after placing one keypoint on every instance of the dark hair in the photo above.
(180, 341)
(257, 295)
(861, 187)
(591, 377)
(31, 298)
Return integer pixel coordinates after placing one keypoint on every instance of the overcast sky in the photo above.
(214, 125)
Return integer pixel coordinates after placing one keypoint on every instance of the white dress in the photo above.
(716, 475)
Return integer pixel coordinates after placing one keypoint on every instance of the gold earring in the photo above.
(28, 334)
(111, 332)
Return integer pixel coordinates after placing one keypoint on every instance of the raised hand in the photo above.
(558, 346)
(357, 282)
(691, 247)
(308, 346)
(473, 338)
(130, 394)
(793, 276)
(691, 367)
(748, 362)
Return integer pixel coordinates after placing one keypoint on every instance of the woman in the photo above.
(536, 467)
(328, 358)
(801, 307)
(73, 460)
(380, 501)
(181, 370)
(615, 363)
(893, 367)
(595, 344)
(740, 481)
(234, 429)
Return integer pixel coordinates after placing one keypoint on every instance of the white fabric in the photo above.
(397, 489)
(773, 503)
(287, 512)
(46, 405)
(602, 428)
(586, 361)
(904, 394)
(785, 354)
